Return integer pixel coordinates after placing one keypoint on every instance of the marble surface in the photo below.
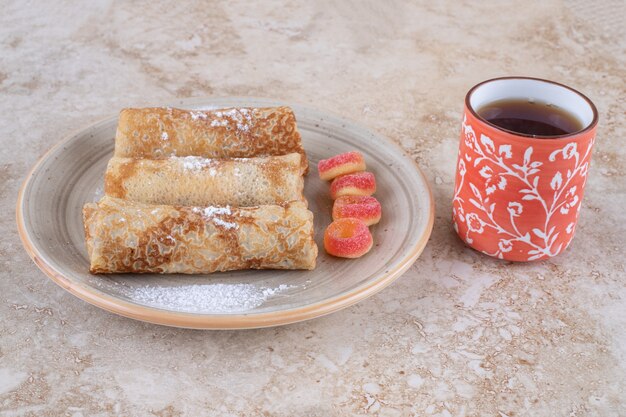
(459, 334)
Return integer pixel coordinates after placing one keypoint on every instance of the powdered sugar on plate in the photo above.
(206, 298)
(98, 193)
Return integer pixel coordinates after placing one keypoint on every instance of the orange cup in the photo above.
(518, 197)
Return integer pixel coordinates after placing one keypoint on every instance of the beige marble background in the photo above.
(458, 335)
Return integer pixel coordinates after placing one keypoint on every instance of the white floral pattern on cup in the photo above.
(557, 191)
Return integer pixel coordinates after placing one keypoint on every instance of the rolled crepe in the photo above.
(156, 133)
(124, 236)
(194, 181)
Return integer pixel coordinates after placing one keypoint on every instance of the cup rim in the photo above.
(586, 129)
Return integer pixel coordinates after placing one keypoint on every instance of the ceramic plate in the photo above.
(50, 224)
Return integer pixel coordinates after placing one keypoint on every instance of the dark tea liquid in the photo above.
(533, 118)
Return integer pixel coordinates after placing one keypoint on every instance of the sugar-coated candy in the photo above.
(359, 183)
(347, 238)
(342, 164)
(363, 207)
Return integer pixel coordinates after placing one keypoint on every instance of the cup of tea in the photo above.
(523, 161)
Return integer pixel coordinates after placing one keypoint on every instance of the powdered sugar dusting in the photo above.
(211, 212)
(195, 115)
(242, 117)
(225, 224)
(218, 122)
(207, 298)
(197, 163)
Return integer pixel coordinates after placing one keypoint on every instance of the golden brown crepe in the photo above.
(195, 181)
(244, 132)
(124, 236)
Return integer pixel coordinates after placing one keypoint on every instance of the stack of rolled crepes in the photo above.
(199, 191)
